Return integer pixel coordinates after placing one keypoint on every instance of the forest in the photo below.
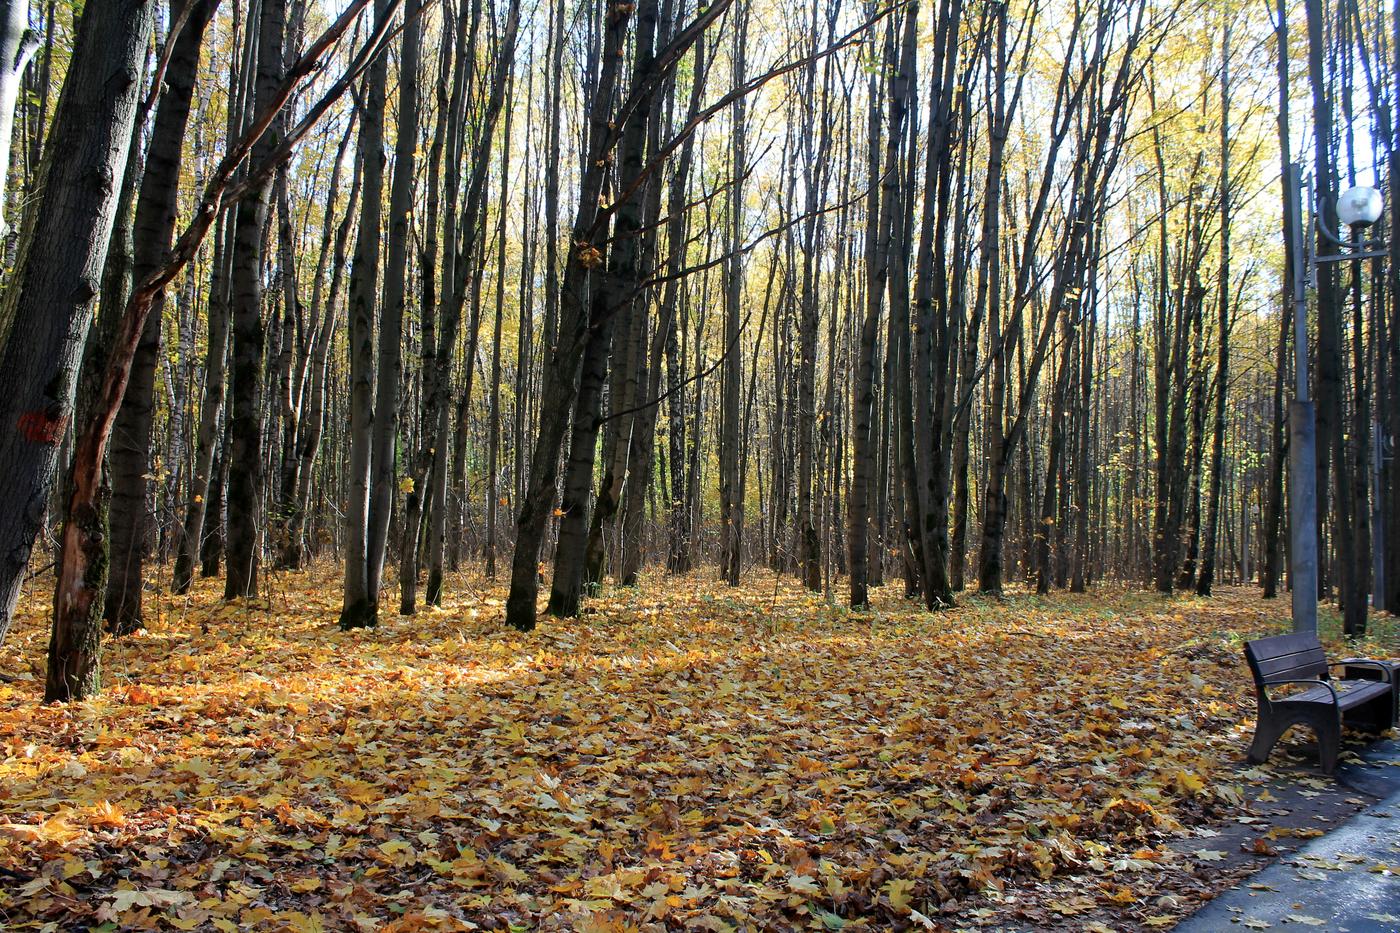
(720, 464)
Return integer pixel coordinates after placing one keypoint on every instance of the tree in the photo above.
(153, 228)
(390, 379)
(17, 45)
(822, 306)
(731, 467)
(577, 320)
(325, 306)
(461, 231)
(1206, 578)
(877, 273)
(611, 296)
(361, 584)
(245, 428)
(74, 648)
(50, 301)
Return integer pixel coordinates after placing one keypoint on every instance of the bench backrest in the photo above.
(1285, 657)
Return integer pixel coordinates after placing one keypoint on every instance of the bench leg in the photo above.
(1329, 740)
(1267, 732)
(1270, 728)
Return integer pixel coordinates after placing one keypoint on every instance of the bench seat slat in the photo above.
(1303, 663)
(1349, 693)
(1292, 657)
(1265, 648)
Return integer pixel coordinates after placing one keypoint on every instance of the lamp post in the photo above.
(1381, 451)
(1357, 209)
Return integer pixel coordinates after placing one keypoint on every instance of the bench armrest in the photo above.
(1310, 682)
(1385, 670)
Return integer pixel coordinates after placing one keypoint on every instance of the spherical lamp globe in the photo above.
(1359, 206)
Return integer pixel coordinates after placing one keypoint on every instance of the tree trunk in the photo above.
(361, 605)
(1200, 392)
(1333, 475)
(1049, 516)
(674, 307)
(57, 279)
(1206, 578)
(731, 502)
(493, 440)
(17, 45)
(566, 590)
(1389, 531)
(459, 251)
(130, 453)
(878, 233)
(196, 544)
(564, 366)
(245, 484)
(420, 492)
(383, 461)
(327, 312)
(562, 372)
(616, 304)
(1080, 572)
(935, 330)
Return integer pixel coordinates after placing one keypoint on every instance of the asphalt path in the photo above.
(1346, 881)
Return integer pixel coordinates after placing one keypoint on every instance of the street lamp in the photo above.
(1357, 208)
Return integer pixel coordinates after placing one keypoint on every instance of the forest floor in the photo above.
(684, 756)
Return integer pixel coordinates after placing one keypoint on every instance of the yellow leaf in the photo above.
(900, 891)
(105, 813)
(1189, 782)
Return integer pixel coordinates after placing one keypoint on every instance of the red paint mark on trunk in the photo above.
(41, 427)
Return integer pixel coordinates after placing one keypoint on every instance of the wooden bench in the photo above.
(1324, 704)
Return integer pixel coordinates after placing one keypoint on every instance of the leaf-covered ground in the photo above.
(683, 757)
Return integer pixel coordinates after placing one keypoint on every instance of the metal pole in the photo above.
(1378, 529)
(1302, 434)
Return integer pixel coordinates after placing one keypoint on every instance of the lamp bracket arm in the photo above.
(1343, 257)
(1321, 219)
